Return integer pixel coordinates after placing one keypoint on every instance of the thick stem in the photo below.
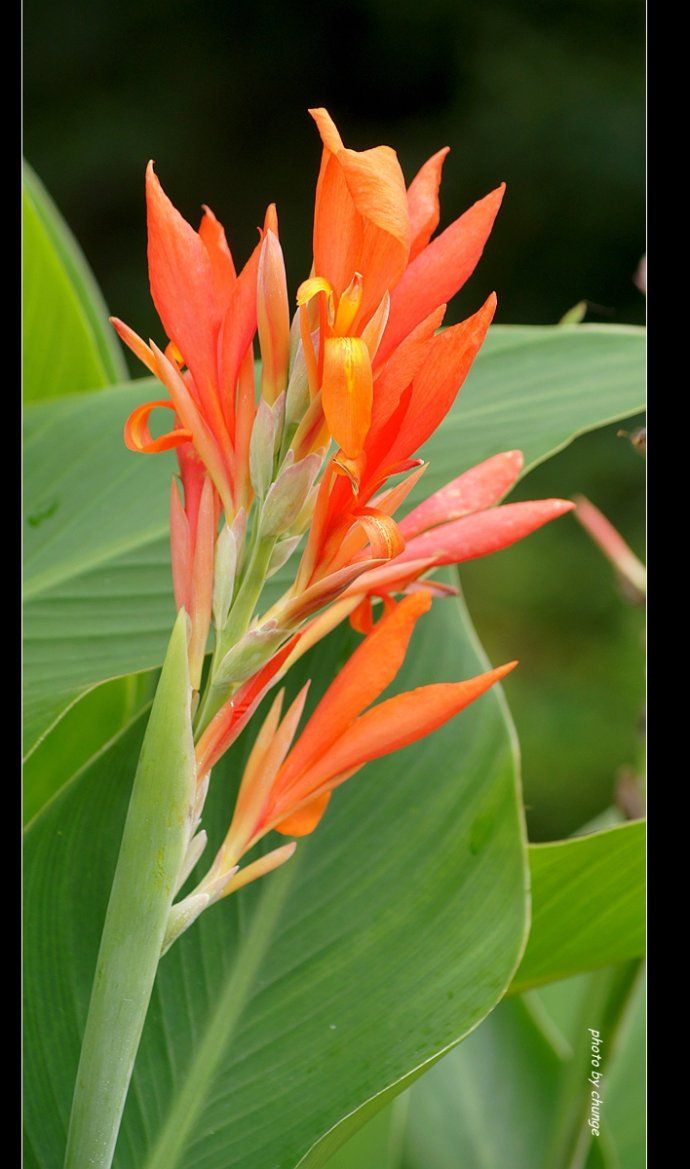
(152, 851)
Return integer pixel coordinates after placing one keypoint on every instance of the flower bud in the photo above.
(262, 449)
(251, 651)
(282, 553)
(273, 318)
(287, 496)
(224, 575)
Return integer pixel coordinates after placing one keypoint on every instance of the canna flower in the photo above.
(376, 276)
(459, 522)
(210, 314)
(287, 784)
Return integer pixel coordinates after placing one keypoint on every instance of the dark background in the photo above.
(546, 94)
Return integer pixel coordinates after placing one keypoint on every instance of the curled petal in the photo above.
(138, 437)
(383, 534)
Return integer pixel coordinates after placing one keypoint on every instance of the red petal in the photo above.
(483, 532)
(480, 487)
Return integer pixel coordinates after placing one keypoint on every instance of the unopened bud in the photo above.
(251, 651)
(298, 396)
(224, 575)
(262, 449)
(287, 496)
(273, 318)
(282, 553)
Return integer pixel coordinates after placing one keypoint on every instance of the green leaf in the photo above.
(412, 890)
(588, 904)
(587, 912)
(86, 727)
(488, 1104)
(68, 344)
(99, 599)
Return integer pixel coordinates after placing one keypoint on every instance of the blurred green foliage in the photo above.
(546, 95)
(553, 602)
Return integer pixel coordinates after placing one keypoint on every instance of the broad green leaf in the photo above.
(68, 344)
(587, 911)
(491, 1103)
(488, 1104)
(588, 904)
(97, 578)
(257, 1051)
(86, 727)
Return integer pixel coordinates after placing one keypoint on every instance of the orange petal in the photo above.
(134, 342)
(231, 719)
(402, 367)
(213, 237)
(348, 391)
(440, 270)
(422, 202)
(236, 333)
(273, 317)
(138, 437)
(182, 284)
(449, 357)
(304, 821)
(361, 221)
(215, 456)
(395, 724)
(371, 668)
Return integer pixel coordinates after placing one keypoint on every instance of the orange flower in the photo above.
(288, 789)
(376, 276)
(457, 523)
(210, 316)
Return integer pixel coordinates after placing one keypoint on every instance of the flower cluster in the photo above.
(312, 458)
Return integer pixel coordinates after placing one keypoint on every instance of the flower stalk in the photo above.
(154, 843)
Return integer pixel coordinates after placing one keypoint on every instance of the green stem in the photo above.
(237, 624)
(151, 854)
